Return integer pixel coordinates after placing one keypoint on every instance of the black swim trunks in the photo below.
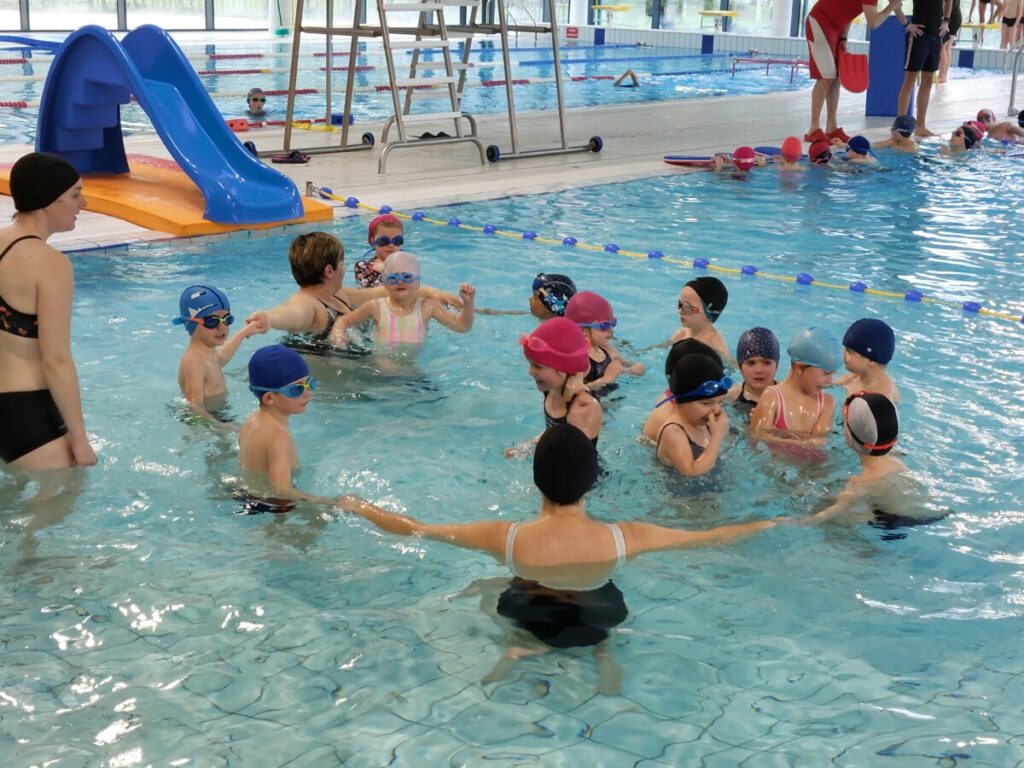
(563, 618)
(30, 420)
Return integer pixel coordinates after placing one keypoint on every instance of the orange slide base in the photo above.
(156, 194)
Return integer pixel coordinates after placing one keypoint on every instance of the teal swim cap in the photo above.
(816, 347)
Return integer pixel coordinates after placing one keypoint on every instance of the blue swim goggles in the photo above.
(290, 390)
(383, 241)
(707, 389)
(400, 277)
(604, 325)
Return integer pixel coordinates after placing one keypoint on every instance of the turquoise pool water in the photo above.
(147, 623)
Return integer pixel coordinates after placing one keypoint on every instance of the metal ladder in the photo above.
(431, 33)
(1016, 50)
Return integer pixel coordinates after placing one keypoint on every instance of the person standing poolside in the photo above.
(826, 28)
(40, 403)
(956, 20)
(923, 48)
(256, 101)
(563, 561)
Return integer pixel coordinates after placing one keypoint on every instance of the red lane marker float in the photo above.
(14, 104)
(360, 68)
(216, 56)
(492, 83)
(13, 61)
(206, 72)
(298, 91)
(380, 88)
(268, 123)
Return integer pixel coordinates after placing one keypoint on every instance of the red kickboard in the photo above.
(853, 71)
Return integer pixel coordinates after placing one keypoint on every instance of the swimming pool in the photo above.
(667, 73)
(154, 625)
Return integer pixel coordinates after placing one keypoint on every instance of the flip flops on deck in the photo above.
(293, 158)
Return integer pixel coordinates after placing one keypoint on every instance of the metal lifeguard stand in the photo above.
(432, 33)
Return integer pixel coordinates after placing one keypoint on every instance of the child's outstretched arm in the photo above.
(339, 331)
(462, 322)
(227, 350)
(486, 535)
(628, 366)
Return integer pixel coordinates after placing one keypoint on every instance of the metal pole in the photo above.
(506, 60)
(558, 72)
(330, 61)
(296, 41)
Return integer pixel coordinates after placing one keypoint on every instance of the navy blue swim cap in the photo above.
(871, 338)
(275, 366)
(757, 342)
(199, 301)
(905, 125)
(554, 291)
(565, 464)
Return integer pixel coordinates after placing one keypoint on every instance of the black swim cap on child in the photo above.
(688, 347)
(39, 178)
(564, 464)
(693, 371)
(872, 422)
(713, 294)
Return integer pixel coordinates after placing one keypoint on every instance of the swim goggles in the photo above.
(707, 389)
(537, 344)
(383, 241)
(687, 308)
(257, 98)
(400, 277)
(290, 390)
(604, 325)
(211, 321)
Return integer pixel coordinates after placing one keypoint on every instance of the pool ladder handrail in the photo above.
(1016, 50)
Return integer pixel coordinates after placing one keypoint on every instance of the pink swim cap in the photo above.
(792, 149)
(744, 158)
(979, 127)
(376, 221)
(557, 343)
(588, 307)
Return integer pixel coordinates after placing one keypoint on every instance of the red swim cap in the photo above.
(376, 221)
(557, 343)
(588, 307)
(792, 149)
(744, 158)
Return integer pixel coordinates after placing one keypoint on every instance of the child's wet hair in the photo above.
(311, 253)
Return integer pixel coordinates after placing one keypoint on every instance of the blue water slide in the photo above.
(80, 119)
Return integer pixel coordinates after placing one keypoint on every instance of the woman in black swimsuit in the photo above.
(40, 403)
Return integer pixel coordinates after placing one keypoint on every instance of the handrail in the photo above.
(1016, 49)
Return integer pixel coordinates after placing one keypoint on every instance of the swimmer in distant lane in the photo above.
(629, 74)
(256, 102)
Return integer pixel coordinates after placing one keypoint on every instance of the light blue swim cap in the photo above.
(816, 347)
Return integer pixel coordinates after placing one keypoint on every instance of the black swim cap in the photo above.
(872, 422)
(693, 371)
(39, 178)
(713, 294)
(564, 464)
(688, 347)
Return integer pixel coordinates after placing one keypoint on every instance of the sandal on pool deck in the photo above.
(816, 135)
(294, 157)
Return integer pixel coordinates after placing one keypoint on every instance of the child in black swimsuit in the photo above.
(758, 355)
(594, 315)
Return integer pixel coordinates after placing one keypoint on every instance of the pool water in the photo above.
(146, 622)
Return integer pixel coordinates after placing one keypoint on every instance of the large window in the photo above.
(248, 14)
(69, 14)
(170, 14)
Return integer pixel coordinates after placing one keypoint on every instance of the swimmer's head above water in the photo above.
(551, 294)
(905, 125)
(685, 347)
(872, 424)
(815, 347)
(274, 368)
(198, 302)
(310, 254)
(557, 343)
(565, 464)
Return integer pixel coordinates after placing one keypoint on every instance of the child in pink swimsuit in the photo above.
(796, 415)
(400, 318)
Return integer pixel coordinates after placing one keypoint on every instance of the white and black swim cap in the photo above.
(872, 422)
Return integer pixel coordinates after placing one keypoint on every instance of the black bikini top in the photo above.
(11, 320)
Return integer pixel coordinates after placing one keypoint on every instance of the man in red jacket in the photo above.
(826, 28)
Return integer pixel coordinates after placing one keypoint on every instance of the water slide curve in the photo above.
(80, 119)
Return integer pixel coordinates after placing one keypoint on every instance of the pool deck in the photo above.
(636, 137)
